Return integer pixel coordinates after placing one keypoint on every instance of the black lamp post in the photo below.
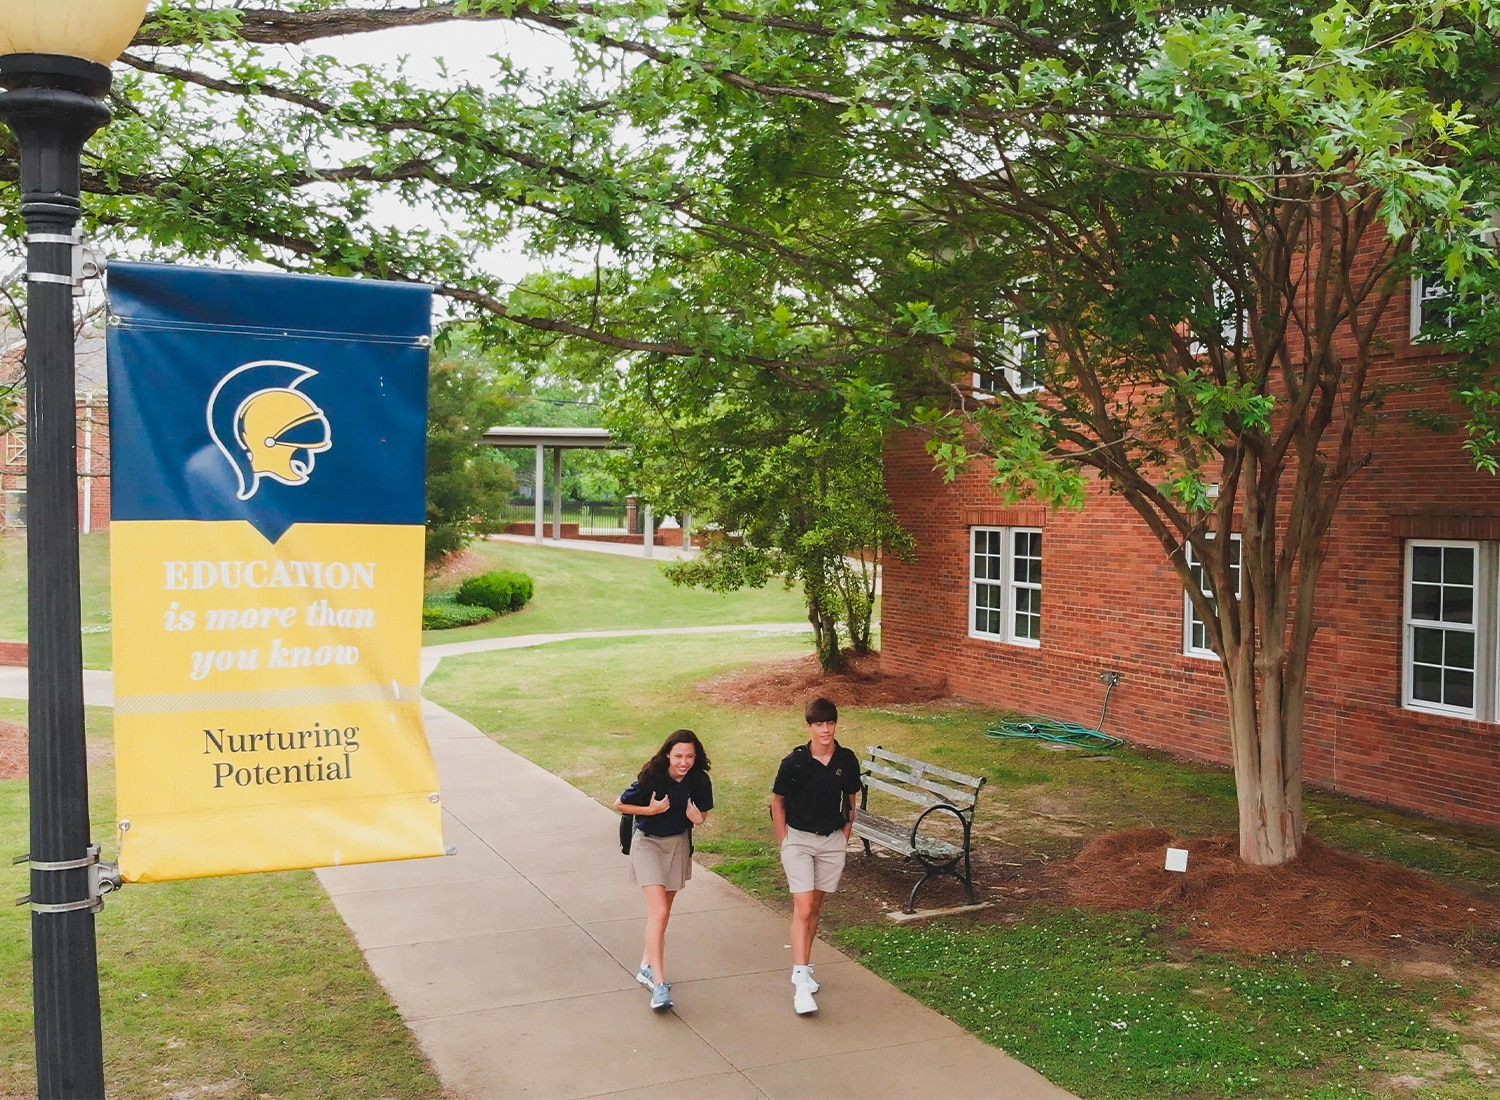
(54, 63)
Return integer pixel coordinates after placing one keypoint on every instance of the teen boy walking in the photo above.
(812, 806)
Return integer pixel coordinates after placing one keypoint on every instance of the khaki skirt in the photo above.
(661, 860)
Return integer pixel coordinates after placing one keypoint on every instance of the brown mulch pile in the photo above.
(1324, 900)
(457, 565)
(13, 750)
(861, 684)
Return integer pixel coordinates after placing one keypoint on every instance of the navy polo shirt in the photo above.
(696, 786)
(816, 795)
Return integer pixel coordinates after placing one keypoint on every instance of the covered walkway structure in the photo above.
(559, 440)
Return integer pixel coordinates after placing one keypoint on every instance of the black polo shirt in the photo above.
(696, 786)
(816, 796)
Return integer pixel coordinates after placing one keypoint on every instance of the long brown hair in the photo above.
(656, 768)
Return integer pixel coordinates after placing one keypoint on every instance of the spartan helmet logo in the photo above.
(265, 426)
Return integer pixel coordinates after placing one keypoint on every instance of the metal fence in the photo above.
(594, 517)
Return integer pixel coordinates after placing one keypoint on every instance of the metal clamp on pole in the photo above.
(104, 878)
(85, 262)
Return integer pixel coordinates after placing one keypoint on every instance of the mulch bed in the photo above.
(457, 566)
(1324, 900)
(860, 684)
(14, 744)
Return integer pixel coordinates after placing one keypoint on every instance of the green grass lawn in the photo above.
(585, 590)
(238, 987)
(93, 576)
(1114, 1007)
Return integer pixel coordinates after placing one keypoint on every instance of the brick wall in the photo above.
(1111, 602)
(92, 457)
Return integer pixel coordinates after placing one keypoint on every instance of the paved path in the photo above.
(432, 655)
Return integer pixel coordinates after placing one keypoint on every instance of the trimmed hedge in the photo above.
(444, 612)
(500, 592)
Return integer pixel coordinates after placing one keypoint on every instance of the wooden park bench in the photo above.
(936, 834)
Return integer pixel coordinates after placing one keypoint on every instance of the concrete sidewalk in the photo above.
(513, 963)
(433, 655)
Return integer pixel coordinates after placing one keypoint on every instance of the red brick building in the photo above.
(93, 438)
(1026, 608)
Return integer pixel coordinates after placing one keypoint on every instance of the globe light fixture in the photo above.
(95, 30)
(54, 65)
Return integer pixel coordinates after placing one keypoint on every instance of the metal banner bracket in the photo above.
(104, 878)
(86, 262)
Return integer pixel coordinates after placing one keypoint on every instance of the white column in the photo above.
(648, 529)
(687, 530)
(557, 493)
(541, 489)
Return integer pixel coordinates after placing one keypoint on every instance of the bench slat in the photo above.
(892, 835)
(962, 799)
(916, 797)
(960, 778)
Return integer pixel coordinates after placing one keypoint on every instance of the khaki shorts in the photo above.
(661, 860)
(813, 862)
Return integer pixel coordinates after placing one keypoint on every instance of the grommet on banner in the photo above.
(434, 797)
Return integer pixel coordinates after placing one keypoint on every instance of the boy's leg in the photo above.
(807, 908)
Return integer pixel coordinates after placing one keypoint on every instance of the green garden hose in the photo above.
(1050, 729)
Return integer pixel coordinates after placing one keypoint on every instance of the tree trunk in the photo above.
(825, 631)
(1269, 793)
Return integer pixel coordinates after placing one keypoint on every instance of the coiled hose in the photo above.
(1050, 729)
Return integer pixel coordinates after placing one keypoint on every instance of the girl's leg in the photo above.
(658, 912)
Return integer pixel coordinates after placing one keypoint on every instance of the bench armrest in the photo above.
(941, 807)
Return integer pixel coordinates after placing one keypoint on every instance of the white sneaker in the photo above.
(802, 1000)
(810, 981)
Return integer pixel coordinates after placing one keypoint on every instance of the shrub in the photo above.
(444, 613)
(500, 592)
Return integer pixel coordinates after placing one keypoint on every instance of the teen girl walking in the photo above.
(671, 794)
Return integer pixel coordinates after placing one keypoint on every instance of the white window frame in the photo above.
(1006, 586)
(1234, 328)
(1426, 291)
(1190, 614)
(1018, 342)
(1029, 347)
(1482, 626)
(13, 507)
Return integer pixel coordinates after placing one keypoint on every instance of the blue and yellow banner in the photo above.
(268, 457)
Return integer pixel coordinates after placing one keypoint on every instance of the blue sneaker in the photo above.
(661, 996)
(645, 977)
